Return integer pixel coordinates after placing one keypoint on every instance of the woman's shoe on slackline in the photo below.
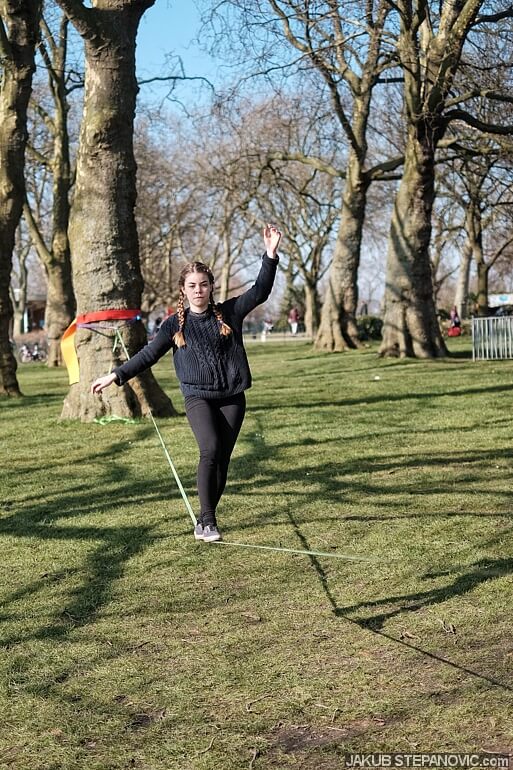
(211, 533)
(198, 531)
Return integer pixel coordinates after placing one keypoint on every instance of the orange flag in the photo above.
(69, 352)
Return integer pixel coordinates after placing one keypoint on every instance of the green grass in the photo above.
(125, 644)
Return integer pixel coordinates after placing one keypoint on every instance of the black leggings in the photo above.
(216, 424)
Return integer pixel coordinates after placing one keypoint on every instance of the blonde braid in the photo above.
(179, 337)
(223, 327)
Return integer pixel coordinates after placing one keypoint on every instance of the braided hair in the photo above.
(196, 267)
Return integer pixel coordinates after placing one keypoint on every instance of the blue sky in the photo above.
(169, 28)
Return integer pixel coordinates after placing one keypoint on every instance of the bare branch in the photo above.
(493, 17)
(485, 93)
(85, 20)
(168, 78)
(378, 172)
(500, 251)
(35, 233)
(39, 157)
(307, 160)
(470, 120)
(48, 35)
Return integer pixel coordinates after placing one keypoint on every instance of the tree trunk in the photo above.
(410, 324)
(60, 305)
(223, 284)
(337, 328)
(103, 235)
(462, 284)
(17, 323)
(482, 290)
(311, 310)
(17, 53)
(483, 271)
(474, 227)
(19, 295)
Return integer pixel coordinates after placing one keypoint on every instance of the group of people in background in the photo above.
(293, 320)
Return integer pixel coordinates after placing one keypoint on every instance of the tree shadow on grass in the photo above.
(476, 574)
(102, 568)
(112, 546)
(479, 572)
(386, 398)
(339, 482)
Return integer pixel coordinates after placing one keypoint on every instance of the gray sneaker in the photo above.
(210, 533)
(198, 531)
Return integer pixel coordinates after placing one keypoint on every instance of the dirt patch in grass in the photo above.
(318, 747)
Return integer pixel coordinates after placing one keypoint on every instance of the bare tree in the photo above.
(342, 45)
(478, 180)
(308, 202)
(19, 280)
(488, 228)
(103, 234)
(18, 35)
(166, 210)
(51, 242)
(429, 48)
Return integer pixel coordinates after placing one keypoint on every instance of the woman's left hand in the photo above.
(272, 237)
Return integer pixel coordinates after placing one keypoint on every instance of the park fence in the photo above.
(492, 338)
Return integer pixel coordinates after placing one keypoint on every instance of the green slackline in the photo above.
(193, 517)
(164, 447)
(175, 474)
(295, 550)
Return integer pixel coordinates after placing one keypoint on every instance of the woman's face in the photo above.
(197, 291)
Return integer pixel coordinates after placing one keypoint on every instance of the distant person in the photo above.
(212, 368)
(267, 327)
(293, 319)
(455, 319)
(454, 323)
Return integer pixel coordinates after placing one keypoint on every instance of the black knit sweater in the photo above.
(210, 365)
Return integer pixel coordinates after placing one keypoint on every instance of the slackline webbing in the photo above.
(295, 550)
(119, 338)
(302, 552)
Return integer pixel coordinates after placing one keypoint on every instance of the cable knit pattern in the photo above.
(210, 365)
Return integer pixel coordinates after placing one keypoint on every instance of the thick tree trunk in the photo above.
(410, 324)
(17, 52)
(103, 236)
(337, 328)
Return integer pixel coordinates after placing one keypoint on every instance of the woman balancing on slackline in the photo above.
(212, 368)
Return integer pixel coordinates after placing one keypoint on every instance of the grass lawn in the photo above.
(126, 644)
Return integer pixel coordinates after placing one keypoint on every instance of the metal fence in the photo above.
(492, 338)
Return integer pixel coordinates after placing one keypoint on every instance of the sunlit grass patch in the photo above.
(127, 644)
